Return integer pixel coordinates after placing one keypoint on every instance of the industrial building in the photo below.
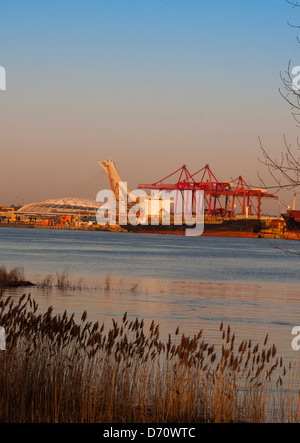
(67, 211)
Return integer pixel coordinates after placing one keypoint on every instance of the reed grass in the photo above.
(63, 282)
(56, 369)
(14, 277)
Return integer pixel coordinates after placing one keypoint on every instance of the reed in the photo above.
(63, 282)
(13, 277)
(56, 369)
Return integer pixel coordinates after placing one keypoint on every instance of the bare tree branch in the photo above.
(295, 5)
(285, 172)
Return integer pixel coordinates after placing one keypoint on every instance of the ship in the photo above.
(292, 220)
(228, 228)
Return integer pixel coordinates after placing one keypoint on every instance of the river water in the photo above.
(191, 282)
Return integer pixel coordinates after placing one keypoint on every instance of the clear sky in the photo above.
(152, 84)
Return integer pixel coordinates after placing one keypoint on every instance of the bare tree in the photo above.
(285, 171)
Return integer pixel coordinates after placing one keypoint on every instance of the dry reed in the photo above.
(58, 370)
(63, 282)
(14, 277)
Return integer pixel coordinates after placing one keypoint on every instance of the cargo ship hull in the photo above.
(228, 228)
(292, 220)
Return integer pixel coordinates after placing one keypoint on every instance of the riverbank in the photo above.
(152, 230)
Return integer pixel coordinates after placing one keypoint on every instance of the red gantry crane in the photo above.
(222, 199)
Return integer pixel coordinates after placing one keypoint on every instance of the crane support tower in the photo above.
(114, 177)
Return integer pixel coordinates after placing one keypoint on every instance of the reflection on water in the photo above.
(252, 310)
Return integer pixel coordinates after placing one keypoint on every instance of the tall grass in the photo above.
(58, 370)
(63, 282)
(13, 277)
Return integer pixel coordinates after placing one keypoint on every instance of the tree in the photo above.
(285, 171)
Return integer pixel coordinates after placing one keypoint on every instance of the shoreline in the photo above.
(288, 235)
(236, 234)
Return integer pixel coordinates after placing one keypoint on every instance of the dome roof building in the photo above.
(63, 206)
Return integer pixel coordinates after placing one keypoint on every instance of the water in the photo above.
(149, 256)
(191, 282)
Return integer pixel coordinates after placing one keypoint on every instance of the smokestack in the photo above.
(294, 204)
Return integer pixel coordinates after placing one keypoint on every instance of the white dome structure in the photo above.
(63, 206)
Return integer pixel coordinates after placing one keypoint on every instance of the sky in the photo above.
(150, 84)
